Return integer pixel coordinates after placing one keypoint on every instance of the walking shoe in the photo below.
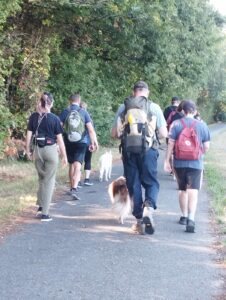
(46, 218)
(183, 220)
(79, 185)
(148, 220)
(138, 227)
(74, 194)
(87, 182)
(39, 212)
(190, 227)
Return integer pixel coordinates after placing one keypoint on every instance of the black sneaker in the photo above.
(79, 185)
(87, 182)
(46, 218)
(74, 194)
(183, 220)
(190, 227)
(39, 212)
(148, 220)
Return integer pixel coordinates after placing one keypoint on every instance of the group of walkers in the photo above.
(139, 124)
(140, 153)
(44, 132)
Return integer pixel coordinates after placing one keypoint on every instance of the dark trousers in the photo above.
(141, 170)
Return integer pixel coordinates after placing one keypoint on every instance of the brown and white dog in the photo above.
(120, 199)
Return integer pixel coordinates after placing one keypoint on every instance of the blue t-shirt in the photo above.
(203, 136)
(84, 114)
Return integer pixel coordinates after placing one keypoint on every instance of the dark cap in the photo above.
(189, 106)
(175, 99)
(139, 85)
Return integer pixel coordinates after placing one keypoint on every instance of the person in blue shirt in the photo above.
(76, 150)
(188, 172)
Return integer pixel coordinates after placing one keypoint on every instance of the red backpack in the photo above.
(187, 146)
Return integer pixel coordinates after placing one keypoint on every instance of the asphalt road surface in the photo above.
(85, 254)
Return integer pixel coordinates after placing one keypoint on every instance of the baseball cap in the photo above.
(140, 85)
(189, 106)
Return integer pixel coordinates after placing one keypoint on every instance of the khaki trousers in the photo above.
(46, 162)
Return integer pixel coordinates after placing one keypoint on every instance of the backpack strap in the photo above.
(193, 124)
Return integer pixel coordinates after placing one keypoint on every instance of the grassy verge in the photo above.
(215, 172)
(18, 184)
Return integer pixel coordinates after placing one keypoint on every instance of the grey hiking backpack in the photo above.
(74, 126)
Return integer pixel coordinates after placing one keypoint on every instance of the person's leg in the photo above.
(87, 167)
(50, 156)
(192, 203)
(76, 175)
(71, 174)
(39, 165)
(133, 184)
(194, 179)
(149, 177)
(78, 158)
(183, 202)
(183, 194)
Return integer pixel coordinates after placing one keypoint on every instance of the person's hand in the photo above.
(167, 166)
(64, 161)
(93, 147)
(29, 155)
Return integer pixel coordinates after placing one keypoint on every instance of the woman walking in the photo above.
(45, 132)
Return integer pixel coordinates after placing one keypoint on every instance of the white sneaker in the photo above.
(148, 220)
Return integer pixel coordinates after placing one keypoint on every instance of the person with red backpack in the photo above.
(189, 139)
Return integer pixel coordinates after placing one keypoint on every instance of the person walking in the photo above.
(175, 101)
(45, 131)
(88, 154)
(136, 122)
(188, 169)
(76, 149)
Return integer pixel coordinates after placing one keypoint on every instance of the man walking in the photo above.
(135, 124)
(188, 168)
(76, 147)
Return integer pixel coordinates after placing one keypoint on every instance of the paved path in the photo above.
(84, 254)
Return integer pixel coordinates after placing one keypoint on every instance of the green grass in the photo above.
(19, 183)
(215, 173)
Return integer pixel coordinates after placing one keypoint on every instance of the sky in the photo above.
(220, 5)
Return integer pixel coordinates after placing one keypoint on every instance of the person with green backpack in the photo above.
(77, 125)
(138, 124)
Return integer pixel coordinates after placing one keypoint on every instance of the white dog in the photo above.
(105, 162)
(119, 195)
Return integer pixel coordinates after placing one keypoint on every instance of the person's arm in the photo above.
(206, 146)
(61, 145)
(115, 126)
(162, 132)
(169, 153)
(93, 138)
(28, 142)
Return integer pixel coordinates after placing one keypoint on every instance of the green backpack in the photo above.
(74, 126)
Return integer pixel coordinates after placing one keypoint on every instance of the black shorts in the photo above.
(188, 178)
(75, 152)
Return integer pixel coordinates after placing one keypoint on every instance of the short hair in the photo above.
(175, 99)
(75, 97)
(189, 106)
(140, 85)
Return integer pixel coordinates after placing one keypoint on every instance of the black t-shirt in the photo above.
(49, 126)
(168, 110)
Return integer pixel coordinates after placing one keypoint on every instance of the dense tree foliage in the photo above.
(101, 47)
